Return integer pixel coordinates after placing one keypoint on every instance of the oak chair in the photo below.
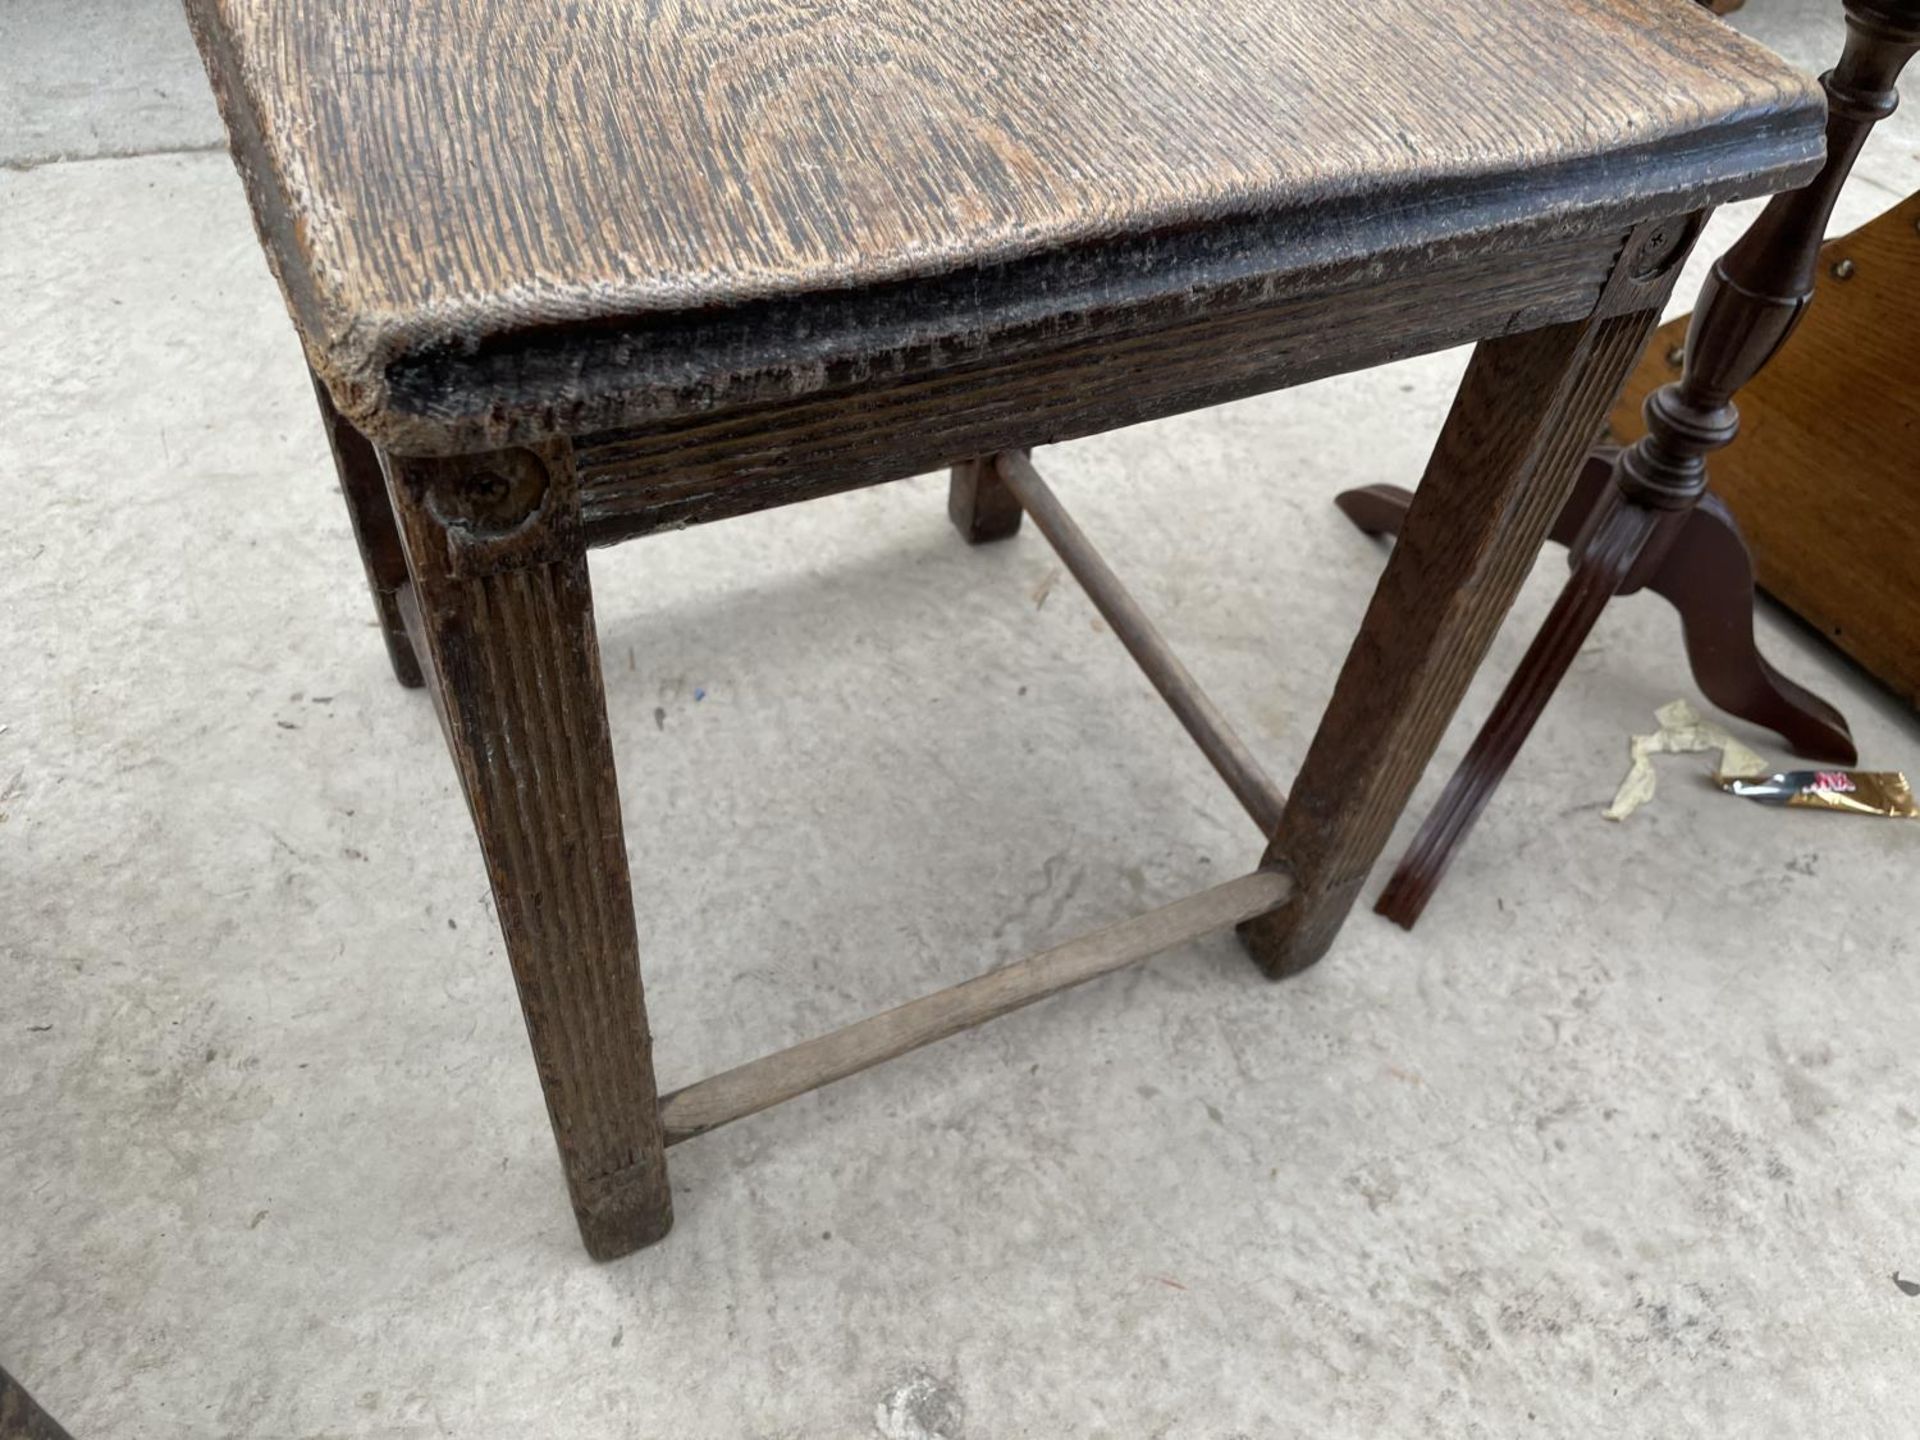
(567, 275)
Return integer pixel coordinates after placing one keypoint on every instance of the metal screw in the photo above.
(1843, 270)
(1675, 354)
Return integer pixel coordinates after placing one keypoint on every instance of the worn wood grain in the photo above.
(505, 620)
(759, 1084)
(1099, 372)
(1526, 412)
(437, 178)
(582, 269)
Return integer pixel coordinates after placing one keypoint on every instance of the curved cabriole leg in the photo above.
(1750, 304)
(1375, 509)
(504, 616)
(1708, 577)
(358, 465)
(1382, 509)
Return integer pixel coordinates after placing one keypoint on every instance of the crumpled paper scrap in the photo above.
(1681, 732)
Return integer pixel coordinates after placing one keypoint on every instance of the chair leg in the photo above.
(504, 618)
(979, 503)
(1702, 568)
(358, 467)
(1708, 577)
(21, 1418)
(1597, 577)
(1505, 462)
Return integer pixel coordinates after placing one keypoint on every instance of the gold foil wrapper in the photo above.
(1857, 792)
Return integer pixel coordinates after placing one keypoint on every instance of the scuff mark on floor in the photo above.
(920, 1406)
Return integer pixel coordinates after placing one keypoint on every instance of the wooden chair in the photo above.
(570, 275)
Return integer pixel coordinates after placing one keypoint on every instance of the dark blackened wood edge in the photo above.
(1045, 387)
(477, 386)
(478, 375)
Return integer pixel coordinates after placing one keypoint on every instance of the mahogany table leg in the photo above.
(1504, 463)
(1376, 509)
(979, 503)
(1382, 509)
(1621, 535)
(505, 623)
(365, 488)
(1703, 570)
(1707, 576)
(1691, 552)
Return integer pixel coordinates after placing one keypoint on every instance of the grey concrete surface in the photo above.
(1621, 1141)
(86, 78)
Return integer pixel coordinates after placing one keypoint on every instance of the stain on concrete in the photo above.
(1049, 889)
(1374, 1184)
(1807, 1099)
(920, 1406)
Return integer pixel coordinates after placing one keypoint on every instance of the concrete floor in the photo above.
(1623, 1140)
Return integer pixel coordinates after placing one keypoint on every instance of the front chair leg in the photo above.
(503, 618)
(1503, 467)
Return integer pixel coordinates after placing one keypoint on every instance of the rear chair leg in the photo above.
(504, 620)
(979, 503)
(365, 487)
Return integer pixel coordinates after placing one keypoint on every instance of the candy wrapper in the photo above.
(1859, 792)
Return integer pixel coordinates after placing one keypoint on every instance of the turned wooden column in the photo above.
(1645, 524)
(1759, 289)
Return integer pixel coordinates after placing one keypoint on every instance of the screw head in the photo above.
(1843, 270)
(1676, 354)
(1661, 248)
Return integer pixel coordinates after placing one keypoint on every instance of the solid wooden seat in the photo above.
(572, 271)
(456, 184)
